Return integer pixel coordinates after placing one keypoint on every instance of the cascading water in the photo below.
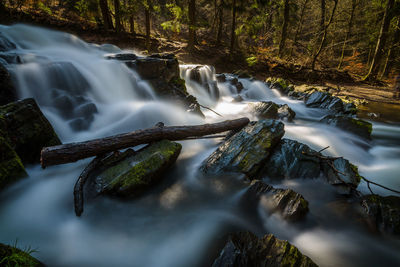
(178, 222)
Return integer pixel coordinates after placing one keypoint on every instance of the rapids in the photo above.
(181, 220)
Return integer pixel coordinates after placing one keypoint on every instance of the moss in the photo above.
(12, 256)
(362, 124)
(180, 83)
(140, 170)
(11, 167)
(356, 173)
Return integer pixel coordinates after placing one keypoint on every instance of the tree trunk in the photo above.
(381, 43)
(147, 18)
(392, 55)
(105, 12)
(322, 21)
(75, 151)
(192, 24)
(349, 27)
(321, 46)
(132, 24)
(232, 46)
(299, 26)
(220, 15)
(284, 27)
(117, 16)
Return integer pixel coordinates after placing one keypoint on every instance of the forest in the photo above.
(223, 133)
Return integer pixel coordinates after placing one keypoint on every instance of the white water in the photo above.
(177, 223)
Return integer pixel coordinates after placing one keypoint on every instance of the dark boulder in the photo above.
(352, 125)
(134, 174)
(11, 168)
(289, 204)
(8, 92)
(12, 256)
(270, 110)
(122, 56)
(244, 249)
(247, 150)
(382, 214)
(27, 129)
(221, 78)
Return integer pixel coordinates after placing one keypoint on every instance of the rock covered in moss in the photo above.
(138, 172)
(11, 256)
(279, 84)
(271, 110)
(289, 204)
(382, 213)
(27, 129)
(291, 160)
(247, 150)
(11, 168)
(352, 125)
(8, 92)
(245, 249)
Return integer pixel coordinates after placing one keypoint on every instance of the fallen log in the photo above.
(72, 152)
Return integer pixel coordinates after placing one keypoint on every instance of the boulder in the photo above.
(208, 83)
(8, 92)
(235, 83)
(270, 110)
(245, 249)
(291, 160)
(382, 214)
(136, 173)
(11, 168)
(279, 84)
(122, 56)
(289, 204)
(221, 78)
(324, 100)
(12, 256)
(5, 44)
(352, 125)
(27, 129)
(247, 150)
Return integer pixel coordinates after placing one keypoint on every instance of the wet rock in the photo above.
(221, 78)
(280, 84)
(270, 110)
(5, 44)
(235, 83)
(195, 75)
(86, 110)
(355, 126)
(27, 129)
(245, 249)
(122, 56)
(8, 92)
(137, 173)
(291, 159)
(350, 108)
(247, 150)
(237, 98)
(291, 205)
(80, 124)
(11, 256)
(382, 214)
(324, 100)
(11, 168)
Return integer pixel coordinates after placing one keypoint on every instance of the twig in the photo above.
(323, 149)
(211, 110)
(205, 137)
(387, 188)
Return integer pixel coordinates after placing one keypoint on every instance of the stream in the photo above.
(181, 220)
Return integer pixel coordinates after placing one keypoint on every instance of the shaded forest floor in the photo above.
(220, 57)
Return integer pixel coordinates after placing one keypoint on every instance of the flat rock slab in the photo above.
(247, 150)
(245, 249)
(356, 126)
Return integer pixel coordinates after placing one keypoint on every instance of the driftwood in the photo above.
(75, 151)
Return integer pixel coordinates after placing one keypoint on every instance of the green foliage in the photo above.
(251, 61)
(175, 24)
(44, 8)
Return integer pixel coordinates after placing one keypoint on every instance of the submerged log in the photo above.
(75, 151)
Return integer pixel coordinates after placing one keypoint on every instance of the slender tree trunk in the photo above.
(147, 18)
(220, 21)
(132, 24)
(232, 46)
(105, 13)
(322, 21)
(381, 43)
(299, 26)
(392, 55)
(322, 44)
(192, 24)
(117, 16)
(284, 27)
(349, 28)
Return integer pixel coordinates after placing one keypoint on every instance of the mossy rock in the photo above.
(11, 256)
(382, 214)
(137, 173)
(27, 129)
(11, 167)
(245, 249)
(8, 93)
(286, 202)
(247, 150)
(356, 126)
